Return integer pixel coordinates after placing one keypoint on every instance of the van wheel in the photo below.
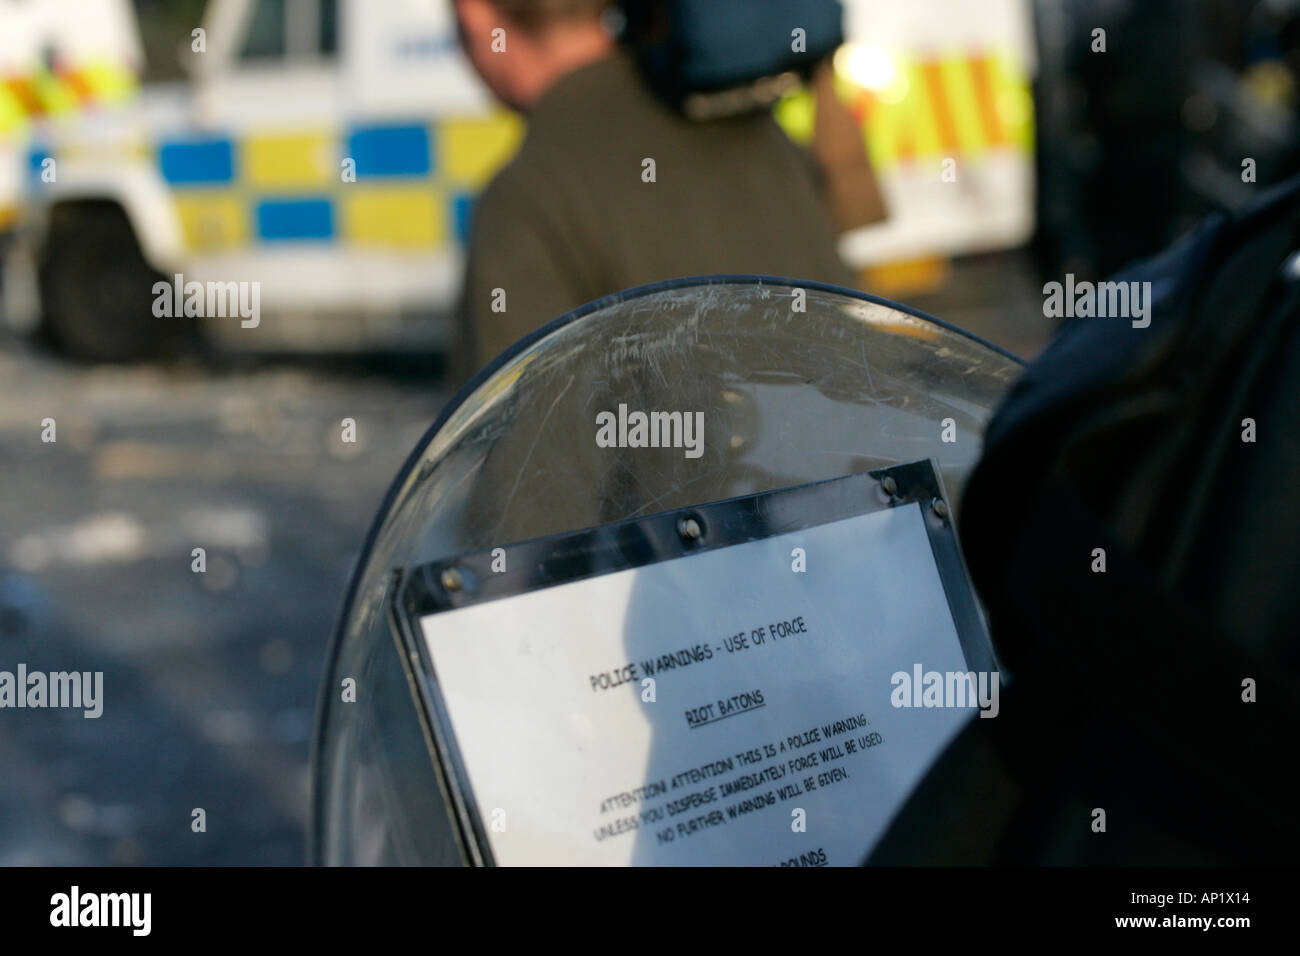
(97, 289)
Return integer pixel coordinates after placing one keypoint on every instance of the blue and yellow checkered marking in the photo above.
(414, 188)
(309, 219)
(197, 162)
(462, 205)
(392, 151)
(36, 157)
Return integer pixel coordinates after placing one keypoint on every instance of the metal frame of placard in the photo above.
(468, 579)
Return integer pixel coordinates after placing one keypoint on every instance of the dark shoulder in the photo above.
(516, 192)
(607, 108)
(602, 100)
(564, 141)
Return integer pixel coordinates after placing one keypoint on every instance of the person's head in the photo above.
(541, 41)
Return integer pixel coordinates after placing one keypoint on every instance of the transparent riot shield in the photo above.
(569, 487)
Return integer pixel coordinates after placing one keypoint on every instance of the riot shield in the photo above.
(643, 591)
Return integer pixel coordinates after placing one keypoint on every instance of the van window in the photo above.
(266, 33)
(329, 27)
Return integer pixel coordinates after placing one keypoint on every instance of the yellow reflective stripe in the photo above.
(108, 82)
(212, 220)
(1015, 101)
(942, 108)
(56, 95)
(12, 115)
(288, 160)
(918, 112)
(393, 216)
(984, 93)
(972, 133)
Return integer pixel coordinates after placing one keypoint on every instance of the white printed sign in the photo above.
(718, 708)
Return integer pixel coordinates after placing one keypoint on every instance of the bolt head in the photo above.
(451, 579)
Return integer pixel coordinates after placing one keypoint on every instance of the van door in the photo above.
(268, 107)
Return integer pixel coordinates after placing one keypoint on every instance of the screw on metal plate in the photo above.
(690, 529)
(889, 485)
(452, 580)
(939, 507)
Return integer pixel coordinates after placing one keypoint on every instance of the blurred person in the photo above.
(581, 211)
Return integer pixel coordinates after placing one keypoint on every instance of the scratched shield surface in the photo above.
(793, 384)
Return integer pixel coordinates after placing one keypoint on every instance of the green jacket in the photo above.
(579, 213)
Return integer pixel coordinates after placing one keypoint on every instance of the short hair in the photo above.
(536, 15)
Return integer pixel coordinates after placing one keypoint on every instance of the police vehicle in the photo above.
(326, 154)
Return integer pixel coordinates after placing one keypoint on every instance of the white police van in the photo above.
(327, 152)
